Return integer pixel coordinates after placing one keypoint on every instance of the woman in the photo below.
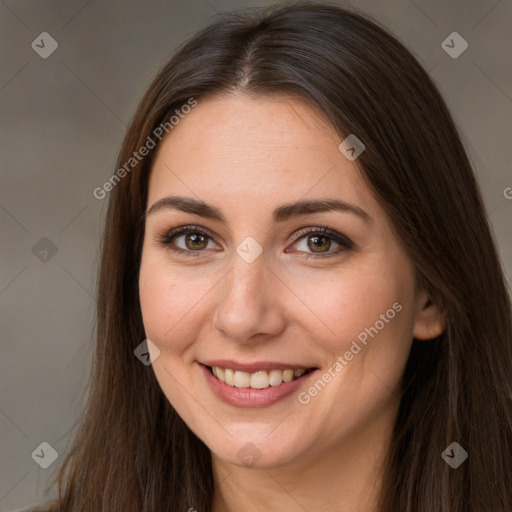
(300, 304)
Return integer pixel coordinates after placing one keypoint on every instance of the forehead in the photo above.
(242, 147)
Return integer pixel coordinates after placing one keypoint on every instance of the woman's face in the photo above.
(258, 290)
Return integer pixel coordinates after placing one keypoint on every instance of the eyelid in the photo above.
(330, 233)
(167, 238)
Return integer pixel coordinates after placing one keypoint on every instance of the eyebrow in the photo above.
(280, 214)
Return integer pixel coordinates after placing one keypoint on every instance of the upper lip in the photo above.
(255, 366)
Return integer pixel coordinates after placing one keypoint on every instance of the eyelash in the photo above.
(167, 238)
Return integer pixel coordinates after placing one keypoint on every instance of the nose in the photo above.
(249, 309)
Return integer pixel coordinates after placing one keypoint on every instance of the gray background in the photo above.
(62, 122)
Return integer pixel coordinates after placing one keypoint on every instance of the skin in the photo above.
(246, 156)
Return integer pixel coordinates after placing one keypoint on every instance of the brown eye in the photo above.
(319, 243)
(316, 243)
(195, 240)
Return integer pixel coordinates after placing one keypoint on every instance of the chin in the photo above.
(255, 450)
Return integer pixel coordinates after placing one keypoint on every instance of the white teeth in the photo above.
(229, 377)
(287, 375)
(275, 377)
(242, 379)
(257, 380)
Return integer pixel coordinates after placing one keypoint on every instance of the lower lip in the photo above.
(249, 397)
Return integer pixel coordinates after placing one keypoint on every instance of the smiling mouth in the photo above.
(261, 379)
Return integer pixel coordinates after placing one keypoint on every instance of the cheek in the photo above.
(169, 308)
(363, 313)
(342, 304)
(367, 319)
(169, 303)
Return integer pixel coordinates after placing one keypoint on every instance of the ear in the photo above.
(429, 321)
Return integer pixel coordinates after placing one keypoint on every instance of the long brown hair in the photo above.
(133, 453)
